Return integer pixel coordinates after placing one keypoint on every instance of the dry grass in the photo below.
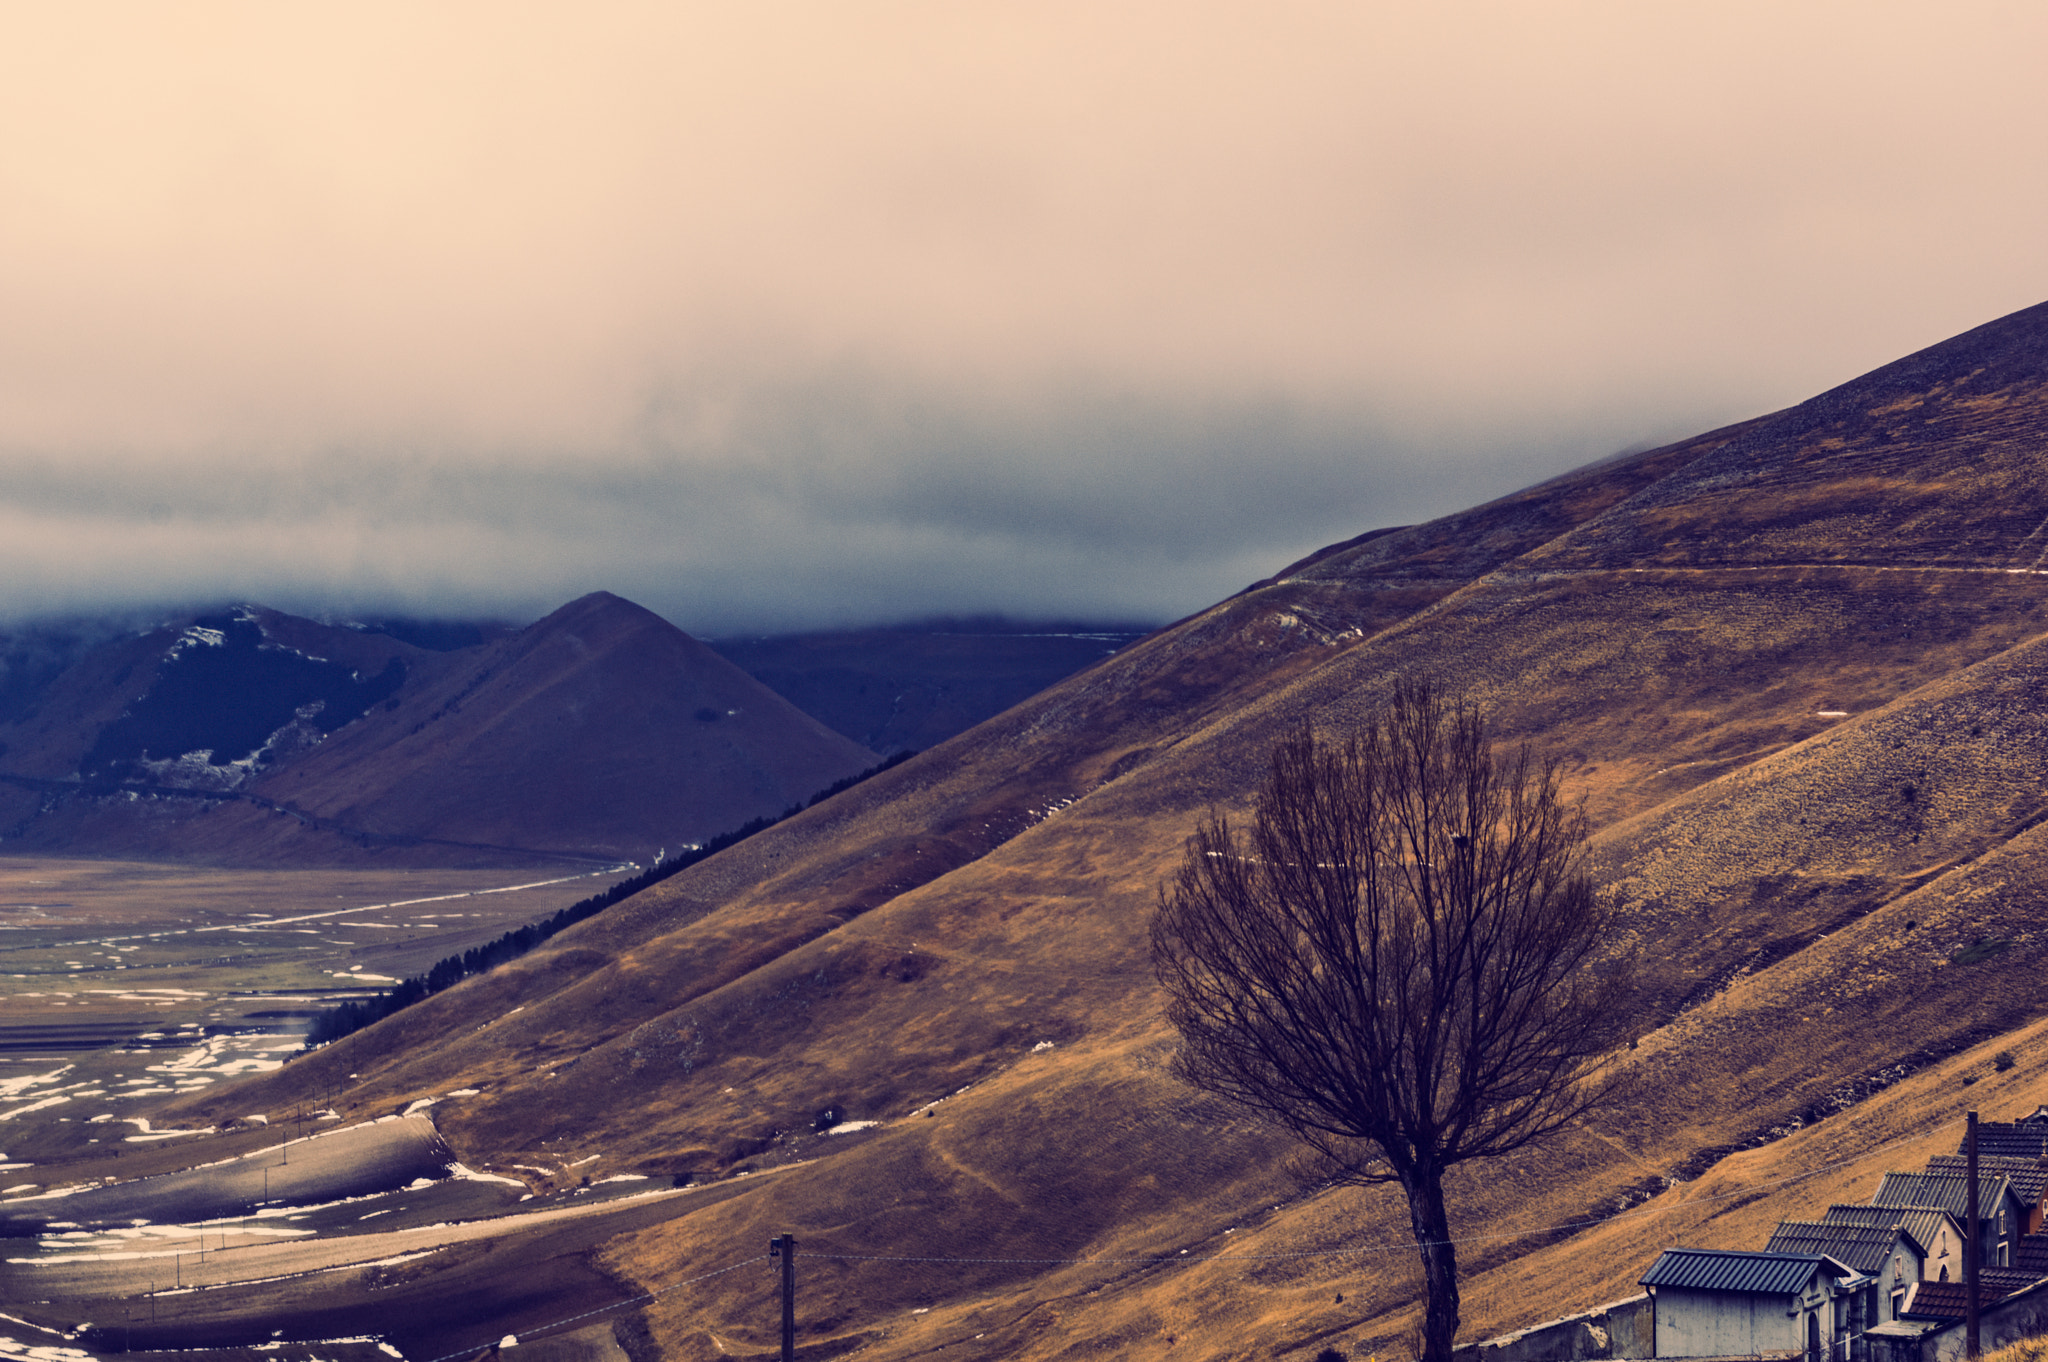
(1672, 626)
(2026, 1350)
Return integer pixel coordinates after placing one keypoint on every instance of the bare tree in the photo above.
(1393, 962)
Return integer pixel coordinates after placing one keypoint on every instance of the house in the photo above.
(1933, 1329)
(2026, 1138)
(1937, 1232)
(1947, 1301)
(1881, 1282)
(2030, 1255)
(1887, 1255)
(1729, 1303)
(2028, 1176)
(2001, 1213)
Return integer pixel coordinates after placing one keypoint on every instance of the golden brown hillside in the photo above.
(1798, 670)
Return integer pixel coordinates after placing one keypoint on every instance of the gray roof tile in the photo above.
(1773, 1274)
(1922, 1222)
(1867, 1248)
(2029, 1177)
(2025, 1138)
(1950, 1192)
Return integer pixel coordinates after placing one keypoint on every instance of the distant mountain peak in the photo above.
(573, 736)
(601, 607)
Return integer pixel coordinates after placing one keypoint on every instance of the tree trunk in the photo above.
(1425, 1190)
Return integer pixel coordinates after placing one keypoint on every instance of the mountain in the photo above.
(1797, 668)
(600, 732)
(906, 688)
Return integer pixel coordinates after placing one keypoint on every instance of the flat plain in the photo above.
(124, 983)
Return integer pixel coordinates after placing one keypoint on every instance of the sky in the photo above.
(775, 316)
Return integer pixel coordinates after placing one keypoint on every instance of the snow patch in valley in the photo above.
(14, 1087)
(463, 1171)
(147, 1132)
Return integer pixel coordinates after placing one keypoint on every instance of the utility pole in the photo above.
(784, 1247)
(1970, 1253)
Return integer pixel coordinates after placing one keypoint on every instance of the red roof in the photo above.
(1945, 1300)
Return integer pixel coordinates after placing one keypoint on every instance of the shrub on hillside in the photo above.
(1978, 953)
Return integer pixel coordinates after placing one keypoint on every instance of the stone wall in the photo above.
(1625, 1329)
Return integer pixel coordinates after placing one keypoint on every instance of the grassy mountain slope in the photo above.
(1796, 668)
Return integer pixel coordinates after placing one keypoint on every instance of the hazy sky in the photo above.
(770, 315)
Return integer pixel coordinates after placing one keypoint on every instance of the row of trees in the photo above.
(347, 1018)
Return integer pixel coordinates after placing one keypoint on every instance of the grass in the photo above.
(1791, 916)
(2026, 1350)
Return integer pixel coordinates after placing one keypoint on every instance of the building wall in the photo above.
(1901, 1270)
(1728, 1324)
(1945, 1252)
(2024, 1314)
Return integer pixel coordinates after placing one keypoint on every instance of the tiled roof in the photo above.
(1773, 1274)
(1946, 1191)
(2030, 1254)
(1945, 1300)
(2017, 1139)
(2028, 1176)
(1867, 1248)
(1922, 1222)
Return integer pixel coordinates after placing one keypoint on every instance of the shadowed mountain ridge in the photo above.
(600, 732)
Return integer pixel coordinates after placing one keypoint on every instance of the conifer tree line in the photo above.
(349, 1017)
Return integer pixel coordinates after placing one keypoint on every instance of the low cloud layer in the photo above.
(819, 314)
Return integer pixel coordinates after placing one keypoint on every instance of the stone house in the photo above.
(1937, 1233)
(2001, 1212)
(2026, 1138)
(1887, 1255)
(2029, 1178)
(1732, 1303)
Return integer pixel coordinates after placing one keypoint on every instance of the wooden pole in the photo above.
(784, 1247)
(1970, 1251)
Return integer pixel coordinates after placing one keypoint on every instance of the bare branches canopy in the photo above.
(1390, 962)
